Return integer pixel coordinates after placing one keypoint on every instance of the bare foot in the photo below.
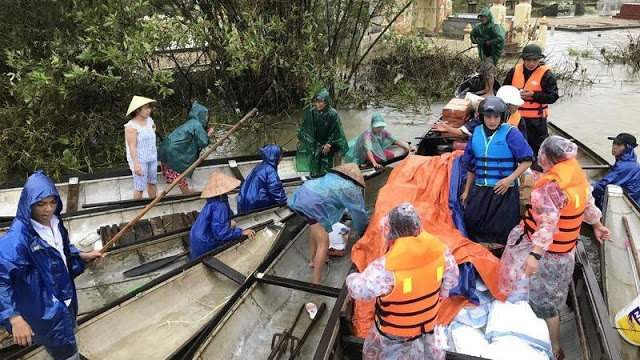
(311, 264)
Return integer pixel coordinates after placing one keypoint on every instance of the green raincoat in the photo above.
(319, 128)
(492, 32)
(182, 147)
(370, 140)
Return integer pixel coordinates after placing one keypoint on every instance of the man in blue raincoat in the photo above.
(624, 173)
(38, 302)
(214, 226)
(263, 187)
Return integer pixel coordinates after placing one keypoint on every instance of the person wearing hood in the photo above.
(263, 187)
(538, 88)
(371, 146)
(38, 301)
(490, 38)
(321, 140)
(322, 203)
(539, 259)
(140, 146)
(408, 284)
(213, 226)
(495, 157)
(624, 173)
(182, 147)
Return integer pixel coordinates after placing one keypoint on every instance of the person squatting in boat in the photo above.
(263, 187)
(214, 226)
(140, 144)
(371, 145)
(38, 301)
(495, 157)
(540, 253)
(322, 202)
(407, 283)
(182, 147)
(624, 173)
(321, 140)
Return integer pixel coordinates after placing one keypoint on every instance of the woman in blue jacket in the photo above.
(495, 157)
(38, 302)
(263, 187)
(214, 226)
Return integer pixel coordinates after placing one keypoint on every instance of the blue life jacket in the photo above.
(494, 159)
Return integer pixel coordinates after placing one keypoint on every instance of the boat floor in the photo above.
(247, 331)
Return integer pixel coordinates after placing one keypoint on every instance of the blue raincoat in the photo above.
(325, 199)
(624, 173)
(212, 227)
(263, 187)
(34, 282)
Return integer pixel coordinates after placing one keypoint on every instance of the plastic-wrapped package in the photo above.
(505, 348)
(518, 320)
(468, 340)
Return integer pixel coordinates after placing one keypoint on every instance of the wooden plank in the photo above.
(157, 227)
(72, 196)
(142, 230)
(173, 222)
(128, 237)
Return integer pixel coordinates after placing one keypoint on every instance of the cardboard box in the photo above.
(526, 185)
(457, 109)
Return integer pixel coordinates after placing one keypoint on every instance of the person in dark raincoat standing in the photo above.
(182, 147)
(263, 187)
(624, 173)
(490, 38)
(214, 226)
(38, 302)
(320, 137)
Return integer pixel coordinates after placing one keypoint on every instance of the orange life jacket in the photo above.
(417, 264)
(514, 119)
(531, 109)
(573, 181)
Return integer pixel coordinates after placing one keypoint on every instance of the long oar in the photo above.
(160, 263)
(142, 212)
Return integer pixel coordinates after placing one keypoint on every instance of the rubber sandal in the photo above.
(559, 355)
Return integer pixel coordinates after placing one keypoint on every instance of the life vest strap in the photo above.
(384, 313)
(507, 167)
(410, 301)
(494, 159)
(421, 325)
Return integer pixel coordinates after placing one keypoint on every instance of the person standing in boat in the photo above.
(322, 202)
(408, 284)
(490, 38)
(624, 173)
(540, 253)
(213, 226)
(371, 146)
(140, 145)
(321, 140)
(495, 157)
(538, 88)
(263, 187)
(38, 301)
(182, 147)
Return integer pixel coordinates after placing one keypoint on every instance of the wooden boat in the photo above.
(586, 328)
(620, 270)
(154, 320)
(104, 281)
(83, 225)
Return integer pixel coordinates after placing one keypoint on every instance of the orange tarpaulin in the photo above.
(424, 182)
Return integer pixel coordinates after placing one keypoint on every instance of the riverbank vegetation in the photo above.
(69, 68)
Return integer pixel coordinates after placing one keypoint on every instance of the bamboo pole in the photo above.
(142, 212)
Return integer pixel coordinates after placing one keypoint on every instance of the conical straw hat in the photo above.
(352, 171)
(138, 101)
(219, 184)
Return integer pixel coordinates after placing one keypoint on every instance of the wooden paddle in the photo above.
(142, 212)
(160, 263)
